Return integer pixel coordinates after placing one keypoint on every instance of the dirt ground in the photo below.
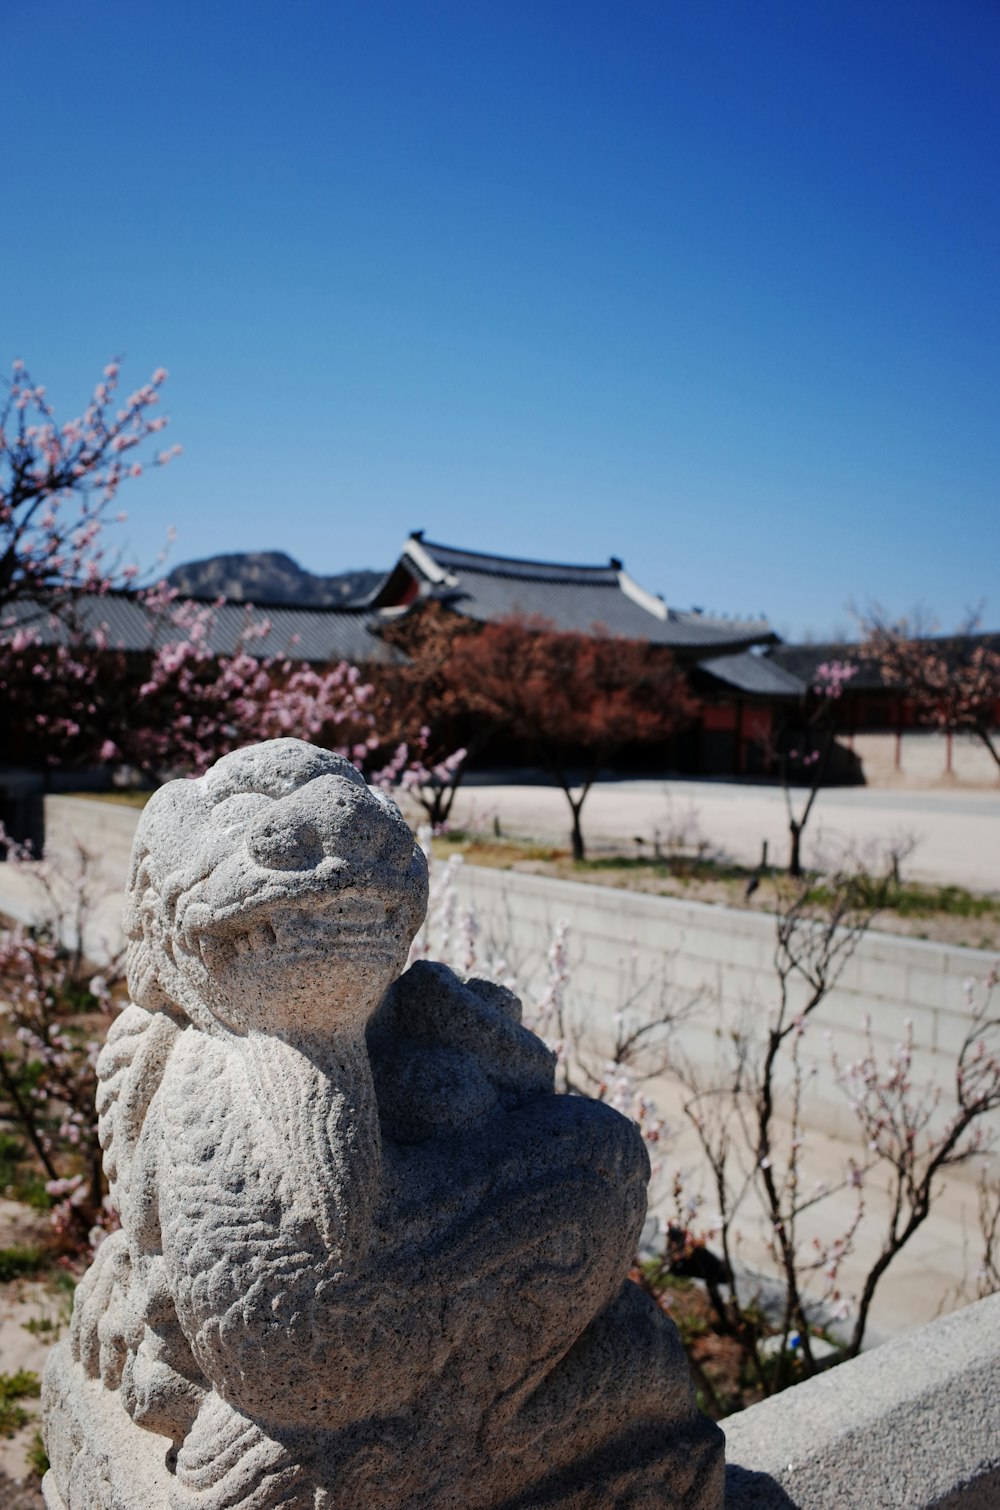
(952, 837)
(23, 1496)
(34, 1313)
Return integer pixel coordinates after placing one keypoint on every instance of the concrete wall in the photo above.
(622, 940)
(913, 1424)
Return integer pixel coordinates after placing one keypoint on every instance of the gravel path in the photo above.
(957, 833)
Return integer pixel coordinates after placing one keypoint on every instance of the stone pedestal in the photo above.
(98, 1455)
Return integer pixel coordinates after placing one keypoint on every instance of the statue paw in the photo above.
(97, 1331)
(155, 1394)
(229, 1459)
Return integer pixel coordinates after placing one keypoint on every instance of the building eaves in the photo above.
(580, 598)
(803, 661)
(430, 569)
(699, 631)
(647, 600)
(451, 559)
(753, 675)
(318, 635)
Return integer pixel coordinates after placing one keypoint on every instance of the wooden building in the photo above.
(581, 598)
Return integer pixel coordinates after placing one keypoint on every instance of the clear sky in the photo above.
(711, 286)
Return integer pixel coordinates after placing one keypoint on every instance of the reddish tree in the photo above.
(574, 701)
(424, 706)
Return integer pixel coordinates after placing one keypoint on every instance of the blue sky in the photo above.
(711, 286)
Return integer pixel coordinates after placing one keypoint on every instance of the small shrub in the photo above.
(11, 1153)
(19, 1261)
(914, 900)
(41, 1326)
(38, 1458)
(13, 1388)
(54, 1012)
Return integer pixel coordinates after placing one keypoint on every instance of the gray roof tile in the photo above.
(753, 674)
(571, 597)
(318, 635)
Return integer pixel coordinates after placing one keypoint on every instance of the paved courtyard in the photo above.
(957, 832)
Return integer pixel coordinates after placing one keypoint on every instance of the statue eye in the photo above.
(236, 811)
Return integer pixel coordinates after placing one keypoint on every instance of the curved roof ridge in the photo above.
(455, 555)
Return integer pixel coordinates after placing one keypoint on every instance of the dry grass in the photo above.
(944, 914)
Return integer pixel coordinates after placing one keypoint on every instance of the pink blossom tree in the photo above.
(59, 485)
(195, 705)
(808, 762)
(70, 693)
(54, 1012)
(903, 1129)
(953, 683)
(749, 1112)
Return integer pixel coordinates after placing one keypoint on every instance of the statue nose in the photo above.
(286, 843)
(299, 830)
(329, 817)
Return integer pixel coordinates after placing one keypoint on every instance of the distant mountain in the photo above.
(270, 577)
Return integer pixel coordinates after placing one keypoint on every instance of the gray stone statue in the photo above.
(368, 1259)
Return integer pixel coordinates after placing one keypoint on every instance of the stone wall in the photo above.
(675, 949)
(913, 1424)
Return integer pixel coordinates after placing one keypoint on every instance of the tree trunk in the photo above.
(987, 739)
(433, 808)
(437, 801)
(795, 861)
(579, 853)
(575, 807)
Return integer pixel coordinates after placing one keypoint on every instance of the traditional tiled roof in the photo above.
(478, 586)
(802, 661)
(753, 675)
(318, 635)
(489, 587)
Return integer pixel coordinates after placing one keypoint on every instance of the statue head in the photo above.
(278, 892)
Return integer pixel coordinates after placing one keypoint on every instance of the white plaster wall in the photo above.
(924, 759)
(619, 938)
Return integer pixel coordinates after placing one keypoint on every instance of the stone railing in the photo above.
(914, 1424)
